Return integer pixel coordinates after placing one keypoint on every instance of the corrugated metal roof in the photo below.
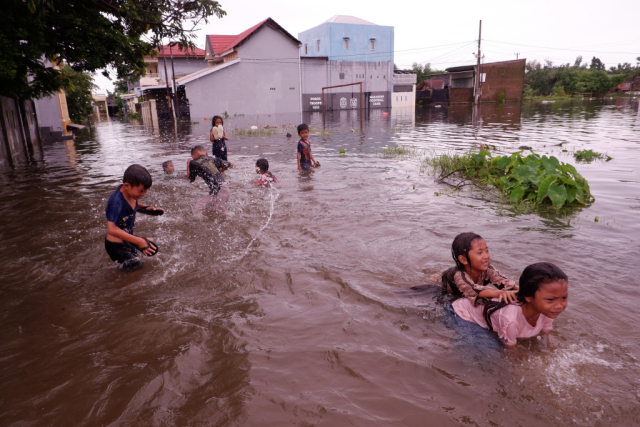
(346, 19)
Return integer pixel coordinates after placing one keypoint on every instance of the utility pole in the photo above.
(516, 54)
(477, 88)
(166, 76)
(173, 76)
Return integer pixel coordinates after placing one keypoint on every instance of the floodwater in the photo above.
(294, 307)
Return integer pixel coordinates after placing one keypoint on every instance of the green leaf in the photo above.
(550, 163)
(543, 189)
(568, 180)
(516, 194)
(558, 194)
(502, 161)
(571, 194)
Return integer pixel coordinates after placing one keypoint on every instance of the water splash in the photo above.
(274, 194)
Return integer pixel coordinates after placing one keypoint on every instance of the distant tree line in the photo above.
(577, 78)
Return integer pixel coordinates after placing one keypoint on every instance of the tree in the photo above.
(596, 64)
(78, 93)
(88, 35)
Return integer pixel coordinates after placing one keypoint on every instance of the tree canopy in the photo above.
(88, 35)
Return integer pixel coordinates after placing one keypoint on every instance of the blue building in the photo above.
(345, 50)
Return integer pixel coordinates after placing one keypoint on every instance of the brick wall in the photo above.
(504, 80)
(460, 94)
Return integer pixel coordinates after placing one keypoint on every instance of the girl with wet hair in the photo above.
(542, 296)
(473, 276)
(219, 146)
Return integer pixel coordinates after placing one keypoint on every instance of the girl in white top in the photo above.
(543, 295)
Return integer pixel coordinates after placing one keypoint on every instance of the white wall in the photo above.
(266, 80)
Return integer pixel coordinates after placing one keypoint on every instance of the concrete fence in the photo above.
(19, 136)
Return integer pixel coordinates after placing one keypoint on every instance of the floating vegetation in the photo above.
(529, 181)
(399, 151)
(254, 132)
(342, 151)
(588, 156)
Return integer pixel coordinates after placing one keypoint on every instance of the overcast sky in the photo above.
(555, 30)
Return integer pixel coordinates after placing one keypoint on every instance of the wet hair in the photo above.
(197, 148)
(263, 165)
(302, 127)
(165, 164)
(137, 175)
(531, 279)
(213, 121)
(461, 246)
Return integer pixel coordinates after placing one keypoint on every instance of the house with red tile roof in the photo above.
(254, 72)
(184, 62)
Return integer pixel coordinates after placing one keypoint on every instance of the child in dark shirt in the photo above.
(210, 170)
(121, 245)
(266, 177)
(305, 158)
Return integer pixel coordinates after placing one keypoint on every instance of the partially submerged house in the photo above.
(254, 72)
(499, 81)
(174, 59)
(341, 51)
(404, 89)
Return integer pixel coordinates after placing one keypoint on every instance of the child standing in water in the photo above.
(305, 158)
(121, 245)
(219, 147)
(542, 296)
(473, 275)
(210, 170)
(266, 177)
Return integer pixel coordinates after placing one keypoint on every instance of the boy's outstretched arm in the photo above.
(115, 231)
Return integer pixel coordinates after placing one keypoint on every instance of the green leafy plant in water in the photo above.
(533, 179)
(588, 156)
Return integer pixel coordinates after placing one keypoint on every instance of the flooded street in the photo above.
(294, 307)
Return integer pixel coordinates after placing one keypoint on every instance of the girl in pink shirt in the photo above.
(542, 296)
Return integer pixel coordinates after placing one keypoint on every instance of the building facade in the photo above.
(349, 51)
(404, 89)
(255, 72)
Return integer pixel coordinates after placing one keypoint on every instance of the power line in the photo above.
(560, 48)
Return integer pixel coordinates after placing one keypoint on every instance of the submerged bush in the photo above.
(588, 156)
(533, 179)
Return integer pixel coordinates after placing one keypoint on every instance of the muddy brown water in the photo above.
(294, 307)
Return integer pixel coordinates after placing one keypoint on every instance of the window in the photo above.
(341, 76)
(346, 43)
(306, 51)
(318, 42)
(372, 44)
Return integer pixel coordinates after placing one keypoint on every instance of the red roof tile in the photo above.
(179, 53)
(221, 44)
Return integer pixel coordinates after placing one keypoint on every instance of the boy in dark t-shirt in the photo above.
(210, 170)
(305, 158)
(121, 245)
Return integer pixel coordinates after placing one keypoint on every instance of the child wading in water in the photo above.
(473, 276)
(210, 170)
(266, 177)
(543, 295)
(218, 137)
(305, 158)
(121, 245)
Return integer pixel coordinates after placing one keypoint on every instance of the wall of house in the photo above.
(460, 95)
(266, 80)
(332, 34)
(49, 114)
(503, 81)
(182, 66)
